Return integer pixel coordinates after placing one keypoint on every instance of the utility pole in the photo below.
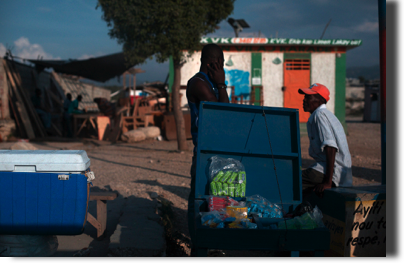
(382, 44)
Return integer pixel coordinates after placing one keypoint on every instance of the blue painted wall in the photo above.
(240, 80)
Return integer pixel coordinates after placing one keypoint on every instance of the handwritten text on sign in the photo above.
(368, 227)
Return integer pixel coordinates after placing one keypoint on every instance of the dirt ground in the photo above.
(156, 166)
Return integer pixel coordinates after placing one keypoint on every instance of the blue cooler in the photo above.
(44, 192)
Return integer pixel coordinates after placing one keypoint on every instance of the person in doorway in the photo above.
(327, 145)
(206, 85)
(44, 114)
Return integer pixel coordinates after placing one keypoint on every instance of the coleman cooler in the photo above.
(44, 192)
(266, 141)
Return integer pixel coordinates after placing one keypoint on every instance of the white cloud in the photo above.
(22, 42)
(24, 49)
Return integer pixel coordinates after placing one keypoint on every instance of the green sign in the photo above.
(281, 41)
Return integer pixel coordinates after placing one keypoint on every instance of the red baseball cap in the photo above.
(316, 89)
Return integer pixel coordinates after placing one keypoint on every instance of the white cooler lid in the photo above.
(44, 161)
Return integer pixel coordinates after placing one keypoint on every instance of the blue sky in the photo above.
(73, 29)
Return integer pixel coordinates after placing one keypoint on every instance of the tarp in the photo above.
(98, 69)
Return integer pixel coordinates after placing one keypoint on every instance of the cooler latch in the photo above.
(90, 175)
(63, 177)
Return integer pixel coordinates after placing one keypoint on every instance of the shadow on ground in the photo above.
(129, 230)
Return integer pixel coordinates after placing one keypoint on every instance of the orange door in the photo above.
(296, 76)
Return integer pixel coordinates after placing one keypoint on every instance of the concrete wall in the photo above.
(272, 75)
(241, 62)
(322, 71)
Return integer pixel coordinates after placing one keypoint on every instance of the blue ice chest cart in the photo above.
(44, 192)
(240, 132)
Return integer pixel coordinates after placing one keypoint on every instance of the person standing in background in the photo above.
(206, 85)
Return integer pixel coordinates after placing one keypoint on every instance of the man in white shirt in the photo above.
(328, 144)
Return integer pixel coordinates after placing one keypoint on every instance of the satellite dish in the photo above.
(238, 25)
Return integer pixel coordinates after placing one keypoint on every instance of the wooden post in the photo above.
(4, 93)
(382, 50)
(176, 106)
(102, 215)
(20, 105)
(101, 222)
(28, 103)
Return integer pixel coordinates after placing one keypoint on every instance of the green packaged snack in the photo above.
(225, 177)
(214, 188)
(241, 177)
(231, 188)
(243, 190)
(232, 178)
(218, 176)
(225, 189)
(237, 190)
(219, 188)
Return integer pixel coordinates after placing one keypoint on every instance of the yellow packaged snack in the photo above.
(237, 211)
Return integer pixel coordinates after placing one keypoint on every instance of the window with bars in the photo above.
(297, 64)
